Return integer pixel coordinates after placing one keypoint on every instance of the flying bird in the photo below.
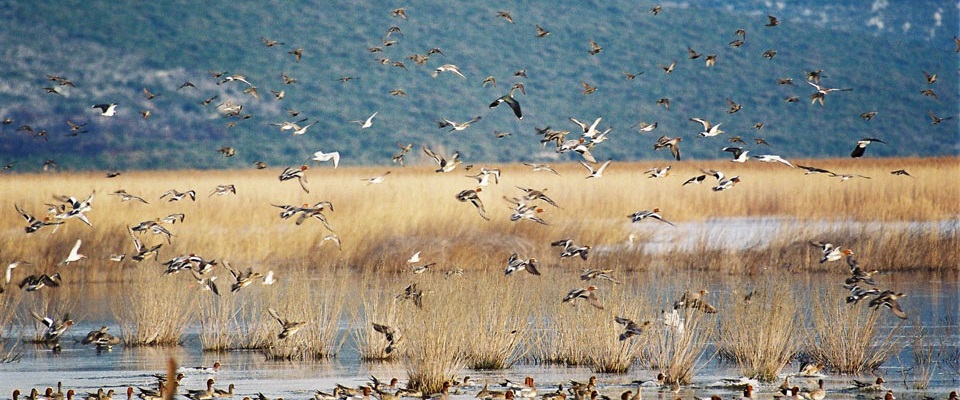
(470, 195)
(586, 294)
(376, 179)
(901, 172)
(456, 126)
(74, 255)
(34, 224)
(322, 157)
(364, 124)
(290, 173)
(672, 143)
(739, 154)
(709, 130)
(447, 68)
(515, 264)
(177, 196)
(287, 327)
(773, 158)
(444, 164)
(630, 328)
(594, 48)
(512, 102)
(106, 110)
(542, 32)
(655, 214)
(598, 172)
(862, 146)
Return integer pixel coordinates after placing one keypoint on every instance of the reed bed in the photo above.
(848, 338)
(154, 310)
(758, 329)
(377, 305)
(927, 351)
(10, 351)
(576, 333)
(321, 310)
(415, 207)
(497, 322)
(677, 351)
(219, 329)
(510, 319)
(9, 305)
(433, 344)
(606, 347)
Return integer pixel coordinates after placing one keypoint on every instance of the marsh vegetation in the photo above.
(467, 313)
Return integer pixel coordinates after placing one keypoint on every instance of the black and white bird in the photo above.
(106, 110)
(862, 146)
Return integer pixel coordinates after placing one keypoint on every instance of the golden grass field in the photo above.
(415, 209)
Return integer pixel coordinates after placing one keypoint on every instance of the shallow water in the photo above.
(84, 369)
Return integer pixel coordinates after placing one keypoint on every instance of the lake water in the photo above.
(85, 370)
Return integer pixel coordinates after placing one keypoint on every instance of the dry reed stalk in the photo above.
(219, 330)
(9, 304)
(565, 329)
(377, 305)
(432, 340)
(154, 310)
(498, 320)
(555, 342)
(677, 351)
(607, 352)
(320, 309)
(926, 354)
(9, 351)
(760, 334)
(847, 338)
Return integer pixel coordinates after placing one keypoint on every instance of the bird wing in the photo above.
(75, 251)
(273, 313)
(431, 154)
(26, 216)
(603, 166)
(706, 124)
(514, 105)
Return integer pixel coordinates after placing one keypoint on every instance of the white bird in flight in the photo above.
(74, 255)
(366, 123)
(333, 155)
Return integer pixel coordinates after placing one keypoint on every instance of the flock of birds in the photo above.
(168, 386)
(583, 140)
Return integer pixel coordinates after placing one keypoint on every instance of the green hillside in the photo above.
(112, 51)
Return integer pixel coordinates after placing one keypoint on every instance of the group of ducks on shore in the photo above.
(376, 389)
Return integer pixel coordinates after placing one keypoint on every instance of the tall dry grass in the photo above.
(679, 352)
(9, 305)
(10, 351)
(416, 207)
(377, 303)
(219, 327)
(849, 338)
(497, 322)
(926, 347)
(433, 346)
(154, 310)
(319, 303)
(760, 334)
